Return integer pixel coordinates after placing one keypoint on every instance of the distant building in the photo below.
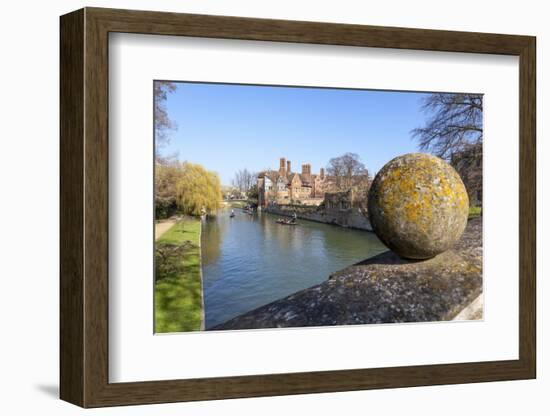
(346, 200)
(283, 186)
(468, 164)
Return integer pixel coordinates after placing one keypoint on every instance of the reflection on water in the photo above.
(250, 260)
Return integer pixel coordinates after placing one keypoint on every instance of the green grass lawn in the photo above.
(474, 212)
(178, 286)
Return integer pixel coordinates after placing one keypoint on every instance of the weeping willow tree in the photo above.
(186, 188)
(198, 191)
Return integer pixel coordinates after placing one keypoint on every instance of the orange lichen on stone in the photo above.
(418, 205)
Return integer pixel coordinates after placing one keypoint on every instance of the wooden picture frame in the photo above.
(84, 207)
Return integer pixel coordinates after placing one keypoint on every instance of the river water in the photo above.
(250, 260)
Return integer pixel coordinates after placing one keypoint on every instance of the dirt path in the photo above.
(163, 226)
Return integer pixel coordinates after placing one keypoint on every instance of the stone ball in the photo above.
(418, 205)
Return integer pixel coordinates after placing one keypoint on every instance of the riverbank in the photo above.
(178, 281)
(383, 289)
(236, 204)
(347, 218)
(161, 226)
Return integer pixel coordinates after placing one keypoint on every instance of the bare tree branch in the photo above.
(244, 180)
(345, 169)
(163, 123)
(455, 123)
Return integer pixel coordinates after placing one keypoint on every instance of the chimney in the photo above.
(306, 169)
(288, 166)
(322, 173)
(282, 165)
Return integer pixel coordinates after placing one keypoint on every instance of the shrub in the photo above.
(165, 208)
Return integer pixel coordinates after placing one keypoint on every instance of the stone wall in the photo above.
(350, 218)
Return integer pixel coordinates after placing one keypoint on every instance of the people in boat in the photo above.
(294, 216)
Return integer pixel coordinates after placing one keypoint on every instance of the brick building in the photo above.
(284, 186)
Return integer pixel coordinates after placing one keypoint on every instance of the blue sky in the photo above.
(228, 127)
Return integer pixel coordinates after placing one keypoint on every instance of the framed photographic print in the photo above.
(255, 207)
